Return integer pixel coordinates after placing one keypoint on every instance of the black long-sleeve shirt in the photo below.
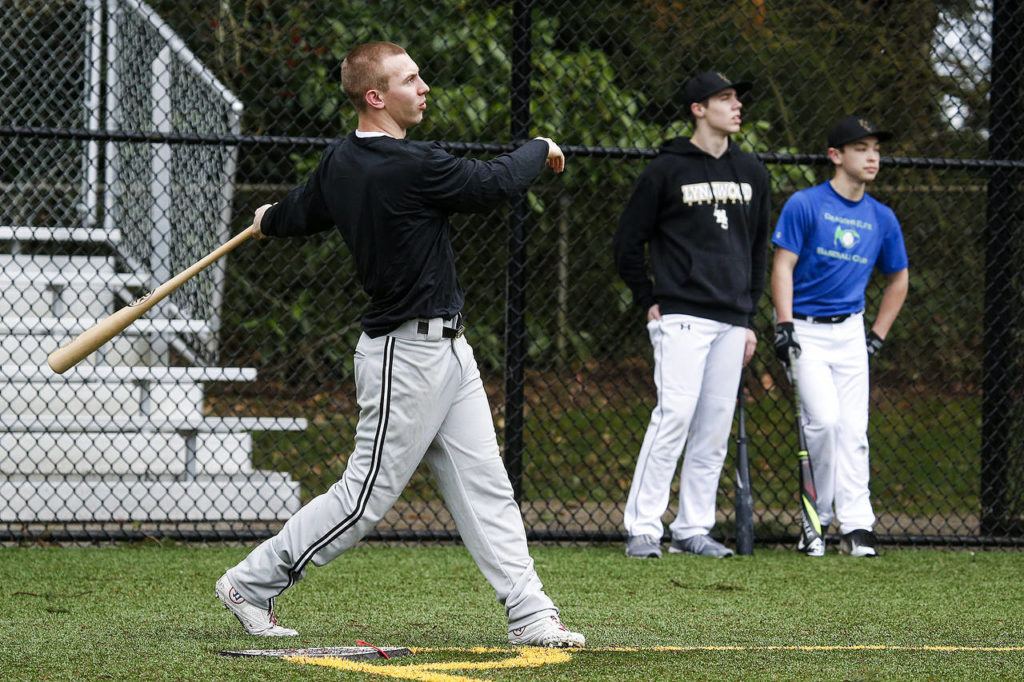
(391, 200)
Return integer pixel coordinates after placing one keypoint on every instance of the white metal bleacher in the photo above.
(24, 233)
(124, 436)
(120, 437)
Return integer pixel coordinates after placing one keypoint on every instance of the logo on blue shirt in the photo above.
(846, 238)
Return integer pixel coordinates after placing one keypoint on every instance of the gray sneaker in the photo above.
(643, 547)
(702, 545)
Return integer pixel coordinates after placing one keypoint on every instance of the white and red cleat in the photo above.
(256, 621)
(548, 632)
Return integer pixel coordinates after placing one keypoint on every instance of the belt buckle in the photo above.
(460, 330)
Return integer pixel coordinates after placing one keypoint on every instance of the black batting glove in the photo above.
(874, 343)
(785, 342)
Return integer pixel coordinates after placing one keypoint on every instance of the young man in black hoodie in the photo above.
(701, 209)
(417, 383)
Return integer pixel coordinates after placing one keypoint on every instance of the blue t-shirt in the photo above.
(838, 242)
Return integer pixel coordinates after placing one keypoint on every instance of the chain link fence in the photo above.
(137, 137)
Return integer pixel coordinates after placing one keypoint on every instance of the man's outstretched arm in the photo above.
(469, 185)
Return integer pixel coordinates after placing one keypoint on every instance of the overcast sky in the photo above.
(961, 50)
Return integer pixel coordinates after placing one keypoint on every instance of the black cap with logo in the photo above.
(703, 85)
(852, 128)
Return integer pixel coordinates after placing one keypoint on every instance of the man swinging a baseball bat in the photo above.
(417, 383)
(829, 238)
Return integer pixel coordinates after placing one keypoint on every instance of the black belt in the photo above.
(826, 319)
(453, 332)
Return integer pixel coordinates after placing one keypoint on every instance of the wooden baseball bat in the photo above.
(95, 336)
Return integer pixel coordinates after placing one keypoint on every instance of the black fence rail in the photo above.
(137, 137)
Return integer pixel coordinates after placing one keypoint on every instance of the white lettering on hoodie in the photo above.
(723, 192)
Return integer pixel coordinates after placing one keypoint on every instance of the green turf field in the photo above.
(148, 611)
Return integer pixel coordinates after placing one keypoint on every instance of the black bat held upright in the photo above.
(744, 497)
(811, 541)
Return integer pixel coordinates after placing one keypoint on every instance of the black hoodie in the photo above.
(707, 221)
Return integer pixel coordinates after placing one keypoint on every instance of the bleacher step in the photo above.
(119, 373)
(258, 496)
(96, 235)
(33, 326)
(24, 423)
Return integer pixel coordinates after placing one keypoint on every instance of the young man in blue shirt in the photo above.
(828, 240)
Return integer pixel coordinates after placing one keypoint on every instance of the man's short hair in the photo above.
(362, 70)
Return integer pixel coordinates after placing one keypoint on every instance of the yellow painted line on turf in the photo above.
(813, 647)
(533, 657)
(527, 657)
(743, 647)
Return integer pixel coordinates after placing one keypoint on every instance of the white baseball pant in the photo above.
(697, 365)
(832, 373)
(419, 395)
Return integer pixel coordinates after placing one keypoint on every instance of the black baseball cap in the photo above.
(705, 84)
(852, 128)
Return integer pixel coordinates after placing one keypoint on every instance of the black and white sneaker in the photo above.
(814, 548)
(859, 543)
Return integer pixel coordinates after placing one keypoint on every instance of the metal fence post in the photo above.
(515, 287)
(1000, 366)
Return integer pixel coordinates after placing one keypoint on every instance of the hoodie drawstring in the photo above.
(707, 179)
(744, 208)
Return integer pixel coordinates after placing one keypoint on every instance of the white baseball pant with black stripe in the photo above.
(697, 365)
(832, 373)
(419, 395)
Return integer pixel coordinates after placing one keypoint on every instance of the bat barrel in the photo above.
(744, 497)
(95, 336)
